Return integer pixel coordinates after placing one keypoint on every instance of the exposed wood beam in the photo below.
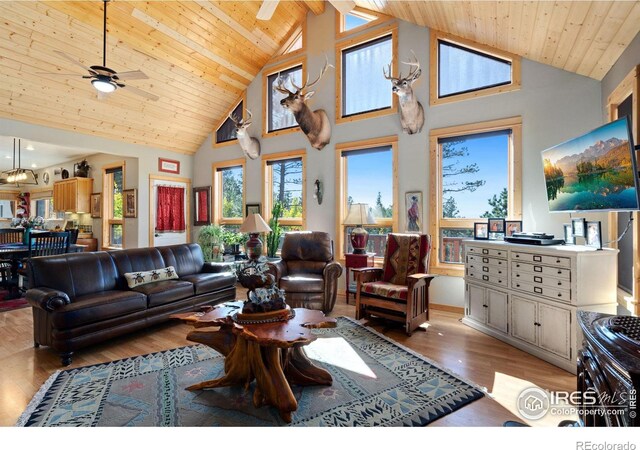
(315, 6)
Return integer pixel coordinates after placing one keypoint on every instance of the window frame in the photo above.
(474, 47)
(216, 197)
(282, 54)
(107, 206)
(267, 186)
(375, 19)
(301, 61)
(514, 185)
(214, 142)
(388, 30)
(341, 187)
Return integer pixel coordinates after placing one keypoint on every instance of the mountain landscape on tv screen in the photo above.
(598, 177)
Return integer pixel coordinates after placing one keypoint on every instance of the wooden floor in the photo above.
(502, 369)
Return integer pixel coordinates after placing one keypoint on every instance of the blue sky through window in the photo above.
(351, 22)
(491, 155)
(368, 174)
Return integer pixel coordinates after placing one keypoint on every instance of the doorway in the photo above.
(169, 210)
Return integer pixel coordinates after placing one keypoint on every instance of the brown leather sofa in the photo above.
(80, 299)
(307, 272)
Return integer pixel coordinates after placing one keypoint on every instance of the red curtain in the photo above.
(170, 209)
(203, 207)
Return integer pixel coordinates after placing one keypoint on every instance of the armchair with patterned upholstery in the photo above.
(399, 290)
(307, 272)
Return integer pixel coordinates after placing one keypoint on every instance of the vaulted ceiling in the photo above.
(201, 55)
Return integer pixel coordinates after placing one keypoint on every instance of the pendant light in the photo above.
(18, 175)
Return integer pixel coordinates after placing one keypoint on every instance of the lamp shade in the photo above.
(359, 214)
(254, 223)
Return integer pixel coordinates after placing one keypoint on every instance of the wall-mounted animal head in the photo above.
(315, 124)
(411, 111)
(250, 146)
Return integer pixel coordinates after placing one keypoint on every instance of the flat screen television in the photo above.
(593, 172)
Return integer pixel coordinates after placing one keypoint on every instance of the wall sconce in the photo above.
(317, 191)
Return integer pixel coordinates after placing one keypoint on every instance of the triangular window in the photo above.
(227, 131)
(352, 21)
(462, 70)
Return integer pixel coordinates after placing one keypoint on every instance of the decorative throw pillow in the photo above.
(151, 276)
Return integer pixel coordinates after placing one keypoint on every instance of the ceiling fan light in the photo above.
(106, 86)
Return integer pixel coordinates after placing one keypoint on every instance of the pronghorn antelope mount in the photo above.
(315, 124)
(411, 111)
(250, 146)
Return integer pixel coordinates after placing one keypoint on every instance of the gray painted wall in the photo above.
(627, 61)
(137, 176)
(555, 105)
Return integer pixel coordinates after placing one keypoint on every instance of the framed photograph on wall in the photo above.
(568, 234)
(168, 165)
(252, 208)
(578, 226)
(481, 230)
(96, 206)
(512, 226)
(130, 203)
(496, 225)
(413, 205)
(593, 235)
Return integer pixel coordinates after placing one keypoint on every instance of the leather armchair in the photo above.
(307, 272)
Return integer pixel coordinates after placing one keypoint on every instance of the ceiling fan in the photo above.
(268, 7)
(104, 79)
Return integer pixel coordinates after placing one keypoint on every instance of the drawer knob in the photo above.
(499, 281)
(559, 272)
(557, 261)
(559, 283)
(517, 275)
(559, 294)
(517, 256)
(517, 285)
(499, 271)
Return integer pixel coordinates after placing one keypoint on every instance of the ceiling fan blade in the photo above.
(58, 73)
(140, 92)
(73, 60)
(267, 9)
(344, 6)
(132, 75)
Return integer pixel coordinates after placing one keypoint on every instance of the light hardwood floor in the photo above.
(500, 368)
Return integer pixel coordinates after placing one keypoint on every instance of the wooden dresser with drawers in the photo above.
(528, 295)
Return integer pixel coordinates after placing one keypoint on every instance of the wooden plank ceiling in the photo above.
(584, 37)
(201, 55)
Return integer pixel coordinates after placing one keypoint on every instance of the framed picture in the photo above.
(496, 225)
(480, 230)
(413, 205)
(130, 203)
(201, 206)
(578, 226)
(594, 235)
(512, 226)
(168, 165)
(495, 236)
(568, 234)
(252, 208)
(96, 205)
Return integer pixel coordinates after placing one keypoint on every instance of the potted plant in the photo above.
(210, 240)
(232, 241)
(273, 238)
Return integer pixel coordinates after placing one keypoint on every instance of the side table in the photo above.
(355, 261)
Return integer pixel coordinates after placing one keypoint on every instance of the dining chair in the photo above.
(8, 236)
(43, 244)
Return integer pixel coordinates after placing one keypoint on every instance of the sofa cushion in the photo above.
(97, 307)
(167, 291)
(150, 276)
(302, 283)
(136, 260)
(186, 258)
(384, 289)
(208, 282)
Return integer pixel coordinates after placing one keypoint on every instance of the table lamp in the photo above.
(359, 215)
(254, 224)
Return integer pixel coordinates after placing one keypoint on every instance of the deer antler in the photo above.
(234, 119)
(415, 63)
(279, 86)
(389, 77)
(306, 85)
(248, 121)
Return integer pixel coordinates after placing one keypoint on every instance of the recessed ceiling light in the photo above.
(30, 148)
(8, 157)
(34, 165)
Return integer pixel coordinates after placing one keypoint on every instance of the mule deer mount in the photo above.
(315, 124)
(411, 111)
(250, 146)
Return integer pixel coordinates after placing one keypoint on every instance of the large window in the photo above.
(225, 131)
(284, 183)
(112, 220)
(228, 192)
(279, 120)
(465, 69)
(358, 164)
(364, 91)
(475, 174)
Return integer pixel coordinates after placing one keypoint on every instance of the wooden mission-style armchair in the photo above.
(400, 289)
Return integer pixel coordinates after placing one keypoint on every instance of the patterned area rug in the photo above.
(9, 305)
(375, 383)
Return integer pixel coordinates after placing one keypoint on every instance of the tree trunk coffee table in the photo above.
(271, 353)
